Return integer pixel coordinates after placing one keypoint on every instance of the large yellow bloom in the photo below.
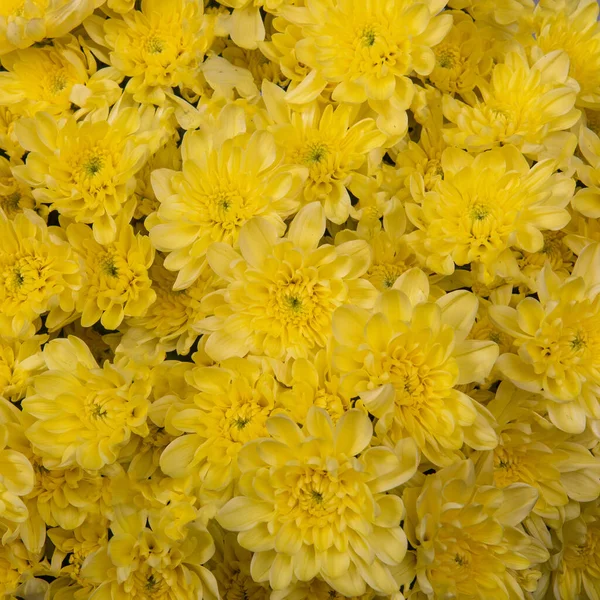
(558, 340)
(467, 537)
(38, 275)
(159, 47)
(521, 104)
(331, 144)
(368, 50)
(221, 187)
(313, 502)
(116, 282)
(84, 169)
(23, 22)
(533, 451)
(283, 291)
(485, 205)
(404, 360)
(84, 415)
(230, 408)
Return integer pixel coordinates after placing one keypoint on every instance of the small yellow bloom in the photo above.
(20, 361)
(558, 341)
(83, 414)
(38, 275)
(84, 169)
(116, 282)
(282, 292)
(313, 503)
(466, 535)
(404, 360)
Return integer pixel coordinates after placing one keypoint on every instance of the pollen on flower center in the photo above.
(479, 211)
(108, 266)
(448, 56)
(368, 36)
(155, 45)
(93, 166)
(315, 153)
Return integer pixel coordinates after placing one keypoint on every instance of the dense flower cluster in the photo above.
(299, 300)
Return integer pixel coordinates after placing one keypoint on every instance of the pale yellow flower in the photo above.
(20, 361)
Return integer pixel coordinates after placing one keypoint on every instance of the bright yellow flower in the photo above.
(282, 292)
(521, 104)
(404, 360)
(38, 274)
(317, 589)
(15, 196)
(485, 205)
(572, 26)
(221, 187)
(230, 407)
(532, 451)
(23, 22)
(577, 566)
(502, 13)
(331, 144)
(20, 361)
(17, 476)
(17, 567)
(558, 341)
(368, 50)
(159, 47)
(257, 63)
(85, 169)
(466, 535)
(116, 282)
(8, 138)
(168, 323)
(587, 199)
(84, 414)
(313, 503)
(53, 78)
(139, 562)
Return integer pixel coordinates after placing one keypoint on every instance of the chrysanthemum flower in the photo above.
(576, 566)
(331, 144)
(221, 187)
(84, 414)
(558, 340)
(53, 78)
(368, 50)
(404, 360)
(38, 274)
(466, 535)
(572, 26)
(230, 407)
(282, 292)
(139, 562)
(486, 204)
(15, 196)
(85, 169)
(20, 361)
(313, 503)
(116, 282)
(18, 568)
(522, 105)
(159, 47)
(532, 451)
(587, 199)
(23, 22)
(262, 68)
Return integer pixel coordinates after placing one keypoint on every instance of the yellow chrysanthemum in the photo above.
(15, 196)
(159, 47)
(572, 26)
(313, 502)
(210, 200)
(316, 589)
(116, 282)
(84, 169)
(532, 451)
(53, 78)
(17, 569)
(20, 361)
(94, 409)
(257, 63)
(139, 562)
(558, 341)
(282, 292)
(230, 408)
(23, 22)
(486, 204)
(16, 477)
(577, 566)
(38, 275)
(404, 360)
(368, 50)
(587, 199)
(466, 535)
(331, 144)
(521, 104)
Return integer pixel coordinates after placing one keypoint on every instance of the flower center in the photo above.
(315, 153)
(93, 166)
(587, 553)
(479, 211)
(368, 36)
(448, 56)
(155, 45)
